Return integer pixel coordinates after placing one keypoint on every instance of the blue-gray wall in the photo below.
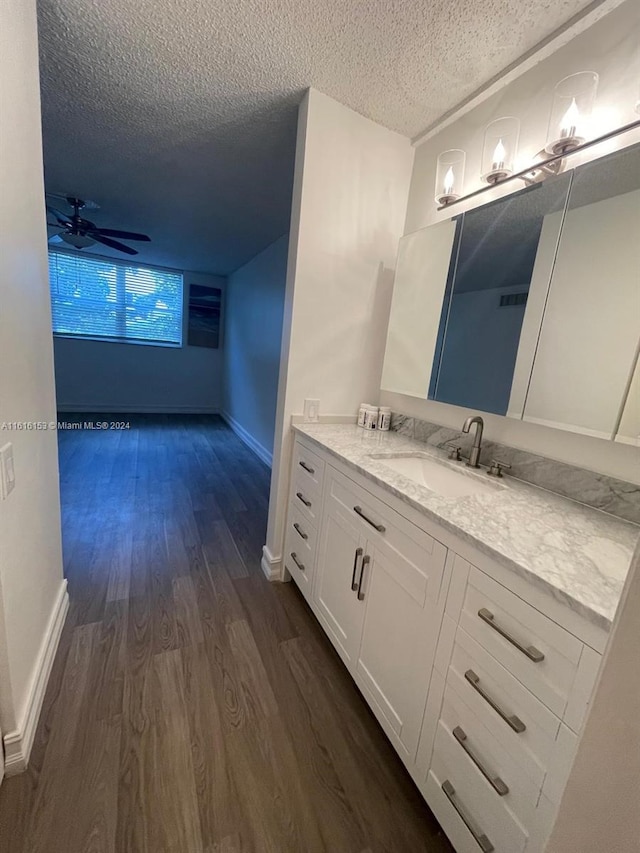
(253, 333)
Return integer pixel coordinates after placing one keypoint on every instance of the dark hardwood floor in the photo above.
(193, 706)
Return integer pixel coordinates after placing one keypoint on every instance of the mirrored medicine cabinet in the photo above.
(529, 306)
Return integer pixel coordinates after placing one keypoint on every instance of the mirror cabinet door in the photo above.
(629, 428)
(584, 376)
(426, 260)
(502, 277)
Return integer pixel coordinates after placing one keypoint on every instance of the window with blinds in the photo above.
(114, 300)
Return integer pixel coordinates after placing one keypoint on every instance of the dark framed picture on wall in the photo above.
(204, 316)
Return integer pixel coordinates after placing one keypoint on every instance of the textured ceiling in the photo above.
(178, 116)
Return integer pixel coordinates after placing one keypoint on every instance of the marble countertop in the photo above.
(578, 554)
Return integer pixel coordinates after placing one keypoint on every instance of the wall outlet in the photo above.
(7, 471)
(311, 411)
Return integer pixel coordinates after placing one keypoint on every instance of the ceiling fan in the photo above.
(81, 233)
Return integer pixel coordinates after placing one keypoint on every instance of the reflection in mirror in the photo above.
(504, 261)
(585, 371)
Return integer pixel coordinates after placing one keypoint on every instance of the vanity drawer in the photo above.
(474, 818)
(306, 496)
(300, 549)
(541, 654)
(515, 788)
(392, 536)
(310, 465)
(516, 718)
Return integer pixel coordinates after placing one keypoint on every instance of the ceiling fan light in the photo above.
(78, 241)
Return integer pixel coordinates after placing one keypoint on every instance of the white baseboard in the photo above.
(271, 566)
(260, 451)
(116, 408)
(18, 743)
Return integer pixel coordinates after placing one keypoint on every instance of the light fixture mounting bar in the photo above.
(525, 173)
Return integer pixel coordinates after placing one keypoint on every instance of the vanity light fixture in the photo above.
(568, 134)
(573, 100)
(500, 148)
(449, 176)
(551, 165)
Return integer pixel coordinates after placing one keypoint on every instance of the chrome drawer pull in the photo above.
(306, 467)
(495, 781)
(295, 559)
(515, 722)
(365, 562)
(530, 651)
(302, 498)
(379, 527)
(299, 530)
(480, 838)
(354, 585)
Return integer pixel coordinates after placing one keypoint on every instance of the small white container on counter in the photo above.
(371, 417)
(384, 418)
(361, 414)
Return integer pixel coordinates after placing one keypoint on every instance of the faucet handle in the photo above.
(454, 450)
(495, 469)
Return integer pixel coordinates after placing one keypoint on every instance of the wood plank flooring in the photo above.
(193, 706)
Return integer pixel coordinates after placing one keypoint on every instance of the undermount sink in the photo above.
(437, 476)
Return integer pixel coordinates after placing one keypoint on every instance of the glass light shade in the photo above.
(573, 101)
(500, 149)
(450, 176)
(78, 241)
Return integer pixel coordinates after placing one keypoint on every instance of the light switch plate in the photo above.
(7, 471)
(311, 411)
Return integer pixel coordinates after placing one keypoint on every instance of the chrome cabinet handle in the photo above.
(495, 781)
(299, 530)
(480, 838)
(379, 527)
(295, 559)
(301, 497)
(306, 467)
(514, 722)
(530, 651)
(365, 562)
(354, 585)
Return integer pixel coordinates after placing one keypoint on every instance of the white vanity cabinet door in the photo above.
(399, 638)
(339, 564)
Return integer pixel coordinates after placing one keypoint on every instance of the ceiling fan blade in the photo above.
(62, 218)
(55, 238)
(113, 244)
(123, 235)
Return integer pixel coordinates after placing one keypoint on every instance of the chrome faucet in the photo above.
(474, 456)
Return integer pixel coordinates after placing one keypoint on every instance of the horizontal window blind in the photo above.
(98, 298)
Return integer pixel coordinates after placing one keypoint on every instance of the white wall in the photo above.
(350, 193)
(30, 549)
(253, 337)
(114, 377)
(610, 48)
(600, 809)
